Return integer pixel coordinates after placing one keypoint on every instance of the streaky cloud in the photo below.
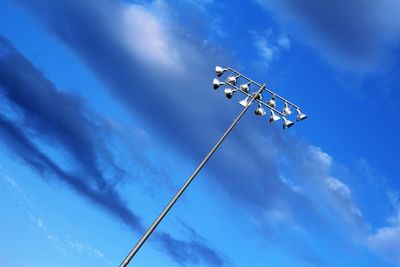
(198, 253)
(180, 106)
(356, 35)
(20, 146)
(58, 117)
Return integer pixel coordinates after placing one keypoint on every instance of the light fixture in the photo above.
(273, 117)
(245, 87)
(259, 96)
(217, 83)
(287, 123)
(286, 110)
(260, 111)
(300, 116)
(220, 70)
(229, 92)
(244, 102)
(247, 102)
(271, 103)
(232, 79)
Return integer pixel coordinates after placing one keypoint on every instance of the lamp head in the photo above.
(286, 110)
(301, 116)
(220, 70)
(232, 79)
(260, 111)
(271, 102)
(287, 123)
(259, 96)
(217, 83)
(245, 102)
(229, 92)
(245, 87)
(273, 117)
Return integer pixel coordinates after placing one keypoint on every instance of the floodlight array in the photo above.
(247, 88)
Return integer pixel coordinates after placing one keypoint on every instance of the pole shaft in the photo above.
(146, 235)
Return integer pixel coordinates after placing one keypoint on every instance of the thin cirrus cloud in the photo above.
(54, 117)
(62, 243)
(96, 38)
(134, 84)
(19, 145)
(356, 35)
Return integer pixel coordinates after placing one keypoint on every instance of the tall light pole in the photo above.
(231, 83)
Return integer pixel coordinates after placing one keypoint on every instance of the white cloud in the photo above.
(267, 51)
(269, 47)
(322, 158)
(147, 38)
(326, 191)
(339, 187)
(17, 192)
(343, 192)
(86, 249)
(283, 41)
(386, 240)
(295, 188)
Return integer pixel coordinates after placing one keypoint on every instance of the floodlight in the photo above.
(229, 92)
(286, 110)
(220, 70)
(232, 79)
(287, 123)
(260, 111)
(273, 117)
(217, 83)
(245, 87)
(300, 116)
(230, 82)
(271, 102)
(244, 102)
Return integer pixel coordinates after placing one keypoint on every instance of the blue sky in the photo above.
(107, 107)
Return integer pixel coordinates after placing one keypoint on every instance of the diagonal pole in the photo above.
(146, 235)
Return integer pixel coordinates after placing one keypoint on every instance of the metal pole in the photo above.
(143, 239)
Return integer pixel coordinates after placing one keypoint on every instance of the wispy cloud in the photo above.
(169, 100)
(63, 243)
(355, 36)
(270, 46)
(196, 252)
(54, 117)
(19, 145)
(258, 190)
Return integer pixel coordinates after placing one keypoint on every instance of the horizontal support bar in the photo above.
(259, 101)
(266, 89)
